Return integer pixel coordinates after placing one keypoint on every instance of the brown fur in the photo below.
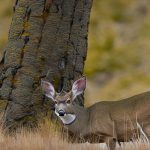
(111, 121)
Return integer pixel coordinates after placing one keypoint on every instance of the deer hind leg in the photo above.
(111, 143)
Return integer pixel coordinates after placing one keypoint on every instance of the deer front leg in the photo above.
(111, 140)
(111, 143)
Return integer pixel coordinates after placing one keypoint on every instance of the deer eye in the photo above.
(68, 101)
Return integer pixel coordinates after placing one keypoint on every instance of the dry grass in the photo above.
(47, 138)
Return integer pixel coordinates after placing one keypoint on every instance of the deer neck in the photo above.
(80, 124)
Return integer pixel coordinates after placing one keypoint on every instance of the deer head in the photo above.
(64, 107)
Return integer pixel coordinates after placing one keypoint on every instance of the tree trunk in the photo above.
(46, 39)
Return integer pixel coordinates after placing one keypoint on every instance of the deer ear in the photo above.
(48, 88)
(78, 87)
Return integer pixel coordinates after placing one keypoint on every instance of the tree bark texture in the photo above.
(46, 39)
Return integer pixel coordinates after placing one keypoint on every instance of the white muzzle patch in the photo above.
(67, 118)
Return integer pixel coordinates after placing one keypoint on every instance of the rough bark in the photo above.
(46, 39)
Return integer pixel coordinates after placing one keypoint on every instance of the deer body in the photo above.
(107, 121)
(111, 120)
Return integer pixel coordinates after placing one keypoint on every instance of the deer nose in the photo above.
(61, 113)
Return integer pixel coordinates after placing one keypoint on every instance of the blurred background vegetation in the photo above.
(118, 60)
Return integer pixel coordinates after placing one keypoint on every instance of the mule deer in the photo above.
(106, 121)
